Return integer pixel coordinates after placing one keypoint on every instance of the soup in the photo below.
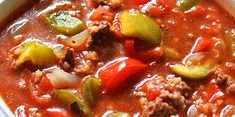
(121, 58)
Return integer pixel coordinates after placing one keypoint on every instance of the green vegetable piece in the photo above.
(68, 98)
(64, 23)
(119, 114)
(230, 36)
(37, 53)
(186, 4)
(91, 87)
(191, 72)
(170, 53)
(138, 25)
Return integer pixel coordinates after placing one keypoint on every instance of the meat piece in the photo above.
(69, 57)
(224, 81)
(173, 96)
(111, 3)
(99, 33)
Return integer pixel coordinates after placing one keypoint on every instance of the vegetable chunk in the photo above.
(64, 23)
(138, 25)
(116, 72)
(191, 72)
(90, 89)
(36, 53)
(68, 98)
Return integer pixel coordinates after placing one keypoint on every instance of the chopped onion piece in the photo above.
(62, 79)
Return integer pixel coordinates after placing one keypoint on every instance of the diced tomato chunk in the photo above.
(102, 13)
(213, 92)
(150, 90)
(45, 84)
(152, 94)
(203, 44)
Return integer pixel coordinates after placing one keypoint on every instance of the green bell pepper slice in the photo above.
(138, 25)
(64, 23)
(68, 98)
(36, 53)
(191, 72)
(91, 87)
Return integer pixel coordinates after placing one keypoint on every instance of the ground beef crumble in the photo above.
(224, 81)
(173, 96)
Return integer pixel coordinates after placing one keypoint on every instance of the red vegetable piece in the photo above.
(152, 94)
(213, 92)
(150, 90)
(202, 44)
(45, 84)
(102, 13)
(130, 47)
(116, 72)
(140, 2)
(151, 55)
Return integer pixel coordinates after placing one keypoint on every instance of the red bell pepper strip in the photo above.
(202, 44)
(140, 2)
(150, 55)
(116, 72)
(213, 92)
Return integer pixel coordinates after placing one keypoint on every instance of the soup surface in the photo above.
(120, 58)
